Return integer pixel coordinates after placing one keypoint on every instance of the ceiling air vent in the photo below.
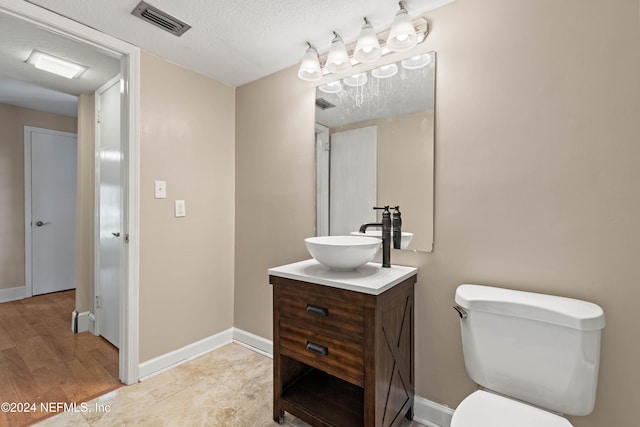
(160, 19)
(323, 104)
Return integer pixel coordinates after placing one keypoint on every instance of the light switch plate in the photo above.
(181, 209)
(160, 190)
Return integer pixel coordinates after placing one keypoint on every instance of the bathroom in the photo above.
(535, 177)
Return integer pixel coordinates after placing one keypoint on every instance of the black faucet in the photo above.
(386, 234)
(397, 228)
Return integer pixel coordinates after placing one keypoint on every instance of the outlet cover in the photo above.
(181, 209)
(160, 190)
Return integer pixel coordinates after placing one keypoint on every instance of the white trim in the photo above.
(13, 294)
(129, 290)
(92, 323)
(426, 412)
(430, 413)
(130, 70)
(253, 342)
(182, 355)
(84, 321)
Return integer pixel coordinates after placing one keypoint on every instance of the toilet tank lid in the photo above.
(562, 311)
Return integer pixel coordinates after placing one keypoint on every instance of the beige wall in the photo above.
(187, 128)
(405, 154)
(85, 205)
(275, 188)
(537, 107)
(12, 123)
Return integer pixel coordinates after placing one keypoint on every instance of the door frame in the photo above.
(28, 215)
(129, 56)
(96, 210)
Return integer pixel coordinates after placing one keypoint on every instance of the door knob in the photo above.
(116, 234)
(40, 223)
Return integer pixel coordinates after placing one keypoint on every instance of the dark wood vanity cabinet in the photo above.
(340, 357)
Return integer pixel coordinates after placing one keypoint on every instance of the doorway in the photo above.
(129, 57)
(50, 210)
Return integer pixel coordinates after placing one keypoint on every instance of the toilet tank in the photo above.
(541, 349)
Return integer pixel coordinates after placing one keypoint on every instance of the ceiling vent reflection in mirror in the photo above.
(160, 19)
(323, 104)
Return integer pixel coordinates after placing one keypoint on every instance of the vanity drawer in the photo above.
(336, 356)
(334, 311)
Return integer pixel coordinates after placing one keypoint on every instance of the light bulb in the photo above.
(310, 66)
(402, 35)
(338, 59)
(367, 47)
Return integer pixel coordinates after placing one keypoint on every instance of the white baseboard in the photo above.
(82, 322)
(178, 357)
(430, 413)
(253, 342)
(92, 323)
(426, 412)
(13, 294)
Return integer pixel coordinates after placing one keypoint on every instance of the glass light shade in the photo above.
(367, 46)
(356, 80)
(402, 35)
(385, 71)
(338, 59)
(416, 62)
(310, 66)
(331, 87)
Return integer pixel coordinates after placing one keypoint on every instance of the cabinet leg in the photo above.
(409, 414)
(278, 415)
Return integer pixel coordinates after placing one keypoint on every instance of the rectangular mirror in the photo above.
(375, 147)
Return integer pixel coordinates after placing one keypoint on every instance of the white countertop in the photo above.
(371, 278)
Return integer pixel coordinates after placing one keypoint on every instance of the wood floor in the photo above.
(41, 360)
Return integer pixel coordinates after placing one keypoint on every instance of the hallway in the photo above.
(41, 360)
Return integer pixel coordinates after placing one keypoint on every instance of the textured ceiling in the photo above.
(237, 41)
(232, 41)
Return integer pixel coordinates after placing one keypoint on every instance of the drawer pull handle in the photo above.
(316, 309)
(317, 348)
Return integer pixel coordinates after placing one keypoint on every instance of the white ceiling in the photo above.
(232, 41)
(237, 41)
(23, 85)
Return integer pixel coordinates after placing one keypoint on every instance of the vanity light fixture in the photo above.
(331, 87)
(310, 66)
(403, 35)
(338, 60)
(416, 62)
(356, 80)
(367, 47)
(56, 65)
(385, 71)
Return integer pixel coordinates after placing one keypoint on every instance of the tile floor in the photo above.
(230, 387)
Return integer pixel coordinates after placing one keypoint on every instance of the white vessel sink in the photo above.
(404, 240)
(343, 253)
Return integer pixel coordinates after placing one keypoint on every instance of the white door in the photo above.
(322, 180)
(50, 209)
(109, 208)
(353, 179)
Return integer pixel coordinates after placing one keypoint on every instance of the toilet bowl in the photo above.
(485, 409)
(536, 356)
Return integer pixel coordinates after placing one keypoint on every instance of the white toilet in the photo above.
(536, 357)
